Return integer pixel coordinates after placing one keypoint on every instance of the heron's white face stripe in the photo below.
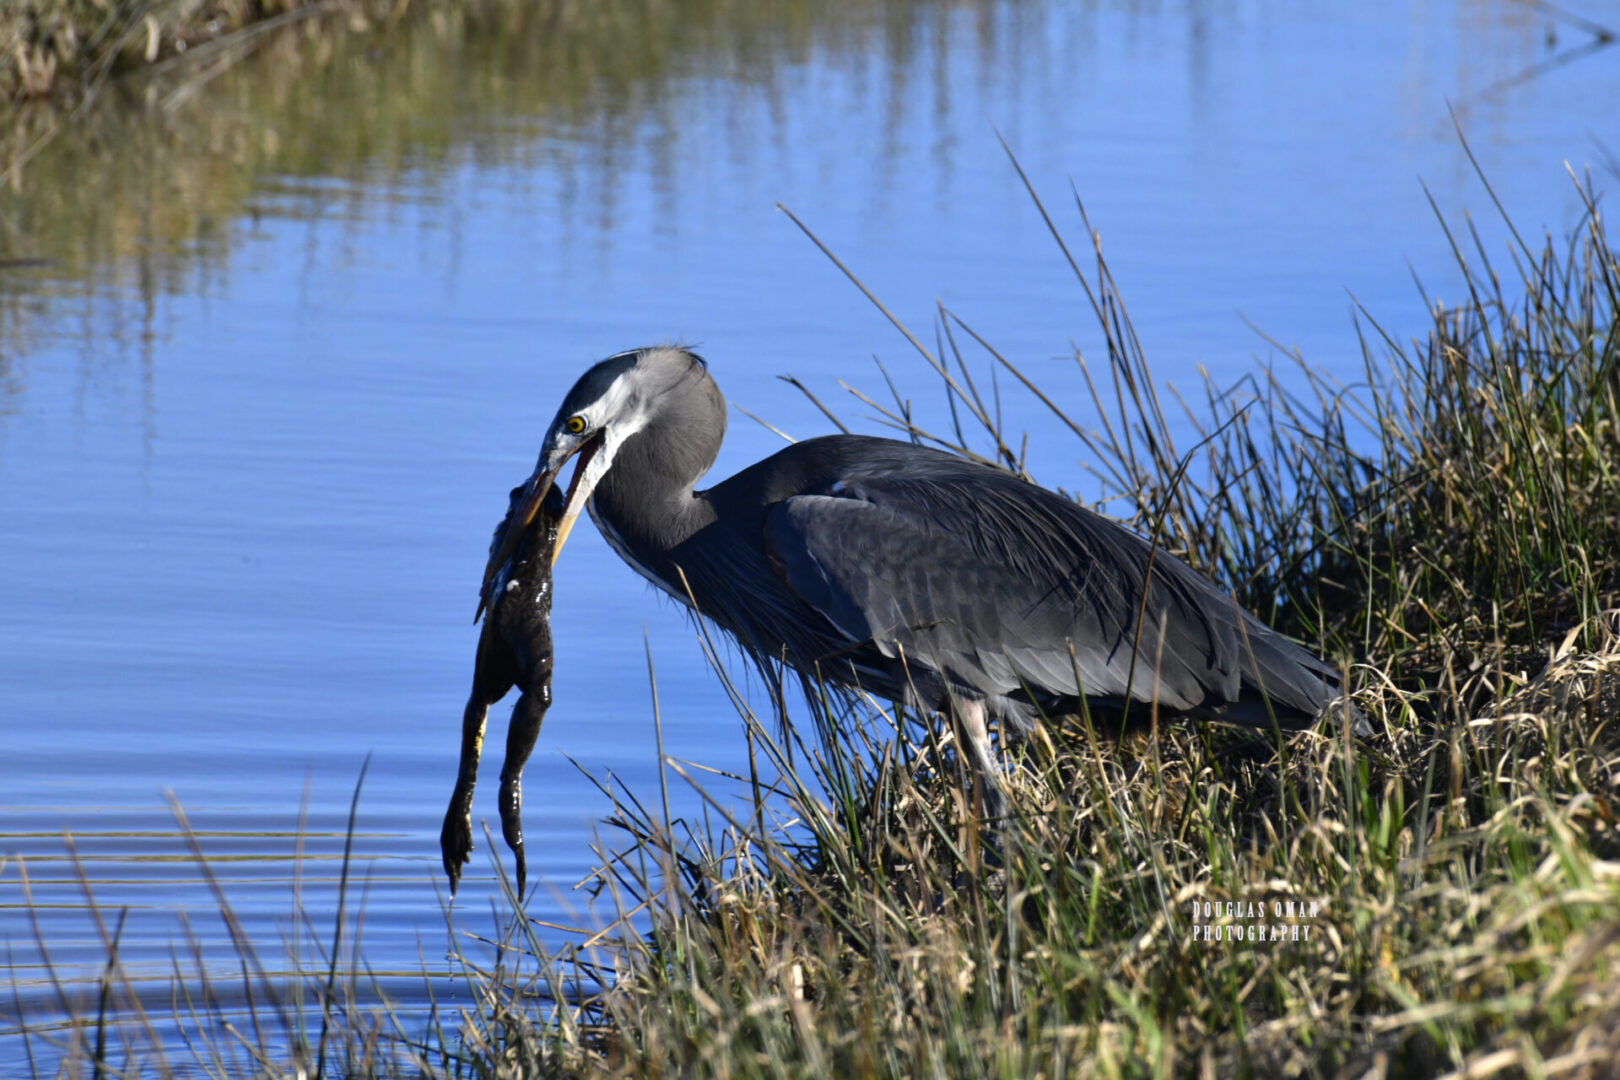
(618, 416)
(612, 418)
(617, 411)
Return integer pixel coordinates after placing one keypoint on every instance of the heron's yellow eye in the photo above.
(575, 425)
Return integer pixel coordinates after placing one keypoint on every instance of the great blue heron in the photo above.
(904, 571)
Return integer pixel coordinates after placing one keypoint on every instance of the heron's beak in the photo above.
(574, 501)
(524, 513)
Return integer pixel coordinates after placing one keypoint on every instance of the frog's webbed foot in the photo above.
(455, 837)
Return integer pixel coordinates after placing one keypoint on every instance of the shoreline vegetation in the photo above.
(1439, 900)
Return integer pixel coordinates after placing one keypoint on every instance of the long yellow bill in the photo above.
(524, 513)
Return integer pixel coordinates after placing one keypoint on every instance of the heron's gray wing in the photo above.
(993, 580)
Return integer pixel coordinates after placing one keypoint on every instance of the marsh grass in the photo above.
(1449, 531)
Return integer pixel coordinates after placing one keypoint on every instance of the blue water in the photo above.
(243, 514)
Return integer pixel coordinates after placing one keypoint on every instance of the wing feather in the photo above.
(993, 581)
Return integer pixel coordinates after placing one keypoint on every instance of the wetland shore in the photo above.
(1437, 900)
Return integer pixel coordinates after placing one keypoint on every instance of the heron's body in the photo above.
(907, 572)
(911, 572)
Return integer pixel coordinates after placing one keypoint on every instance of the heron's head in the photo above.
(611, 402)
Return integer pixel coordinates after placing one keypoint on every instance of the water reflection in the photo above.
(595, 95)
(355, 121)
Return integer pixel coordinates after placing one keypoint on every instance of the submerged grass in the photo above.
(1440, 899)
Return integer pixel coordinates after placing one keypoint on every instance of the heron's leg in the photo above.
(521, 734)
(491, 679)
(973, 717)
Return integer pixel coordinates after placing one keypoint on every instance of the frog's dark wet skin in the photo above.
(514, 649)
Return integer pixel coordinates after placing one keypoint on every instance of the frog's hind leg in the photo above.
(492, 678)
(521, 734)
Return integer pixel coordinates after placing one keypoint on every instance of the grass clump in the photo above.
(1442, 899)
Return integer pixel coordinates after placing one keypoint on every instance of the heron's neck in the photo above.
(646, 504)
